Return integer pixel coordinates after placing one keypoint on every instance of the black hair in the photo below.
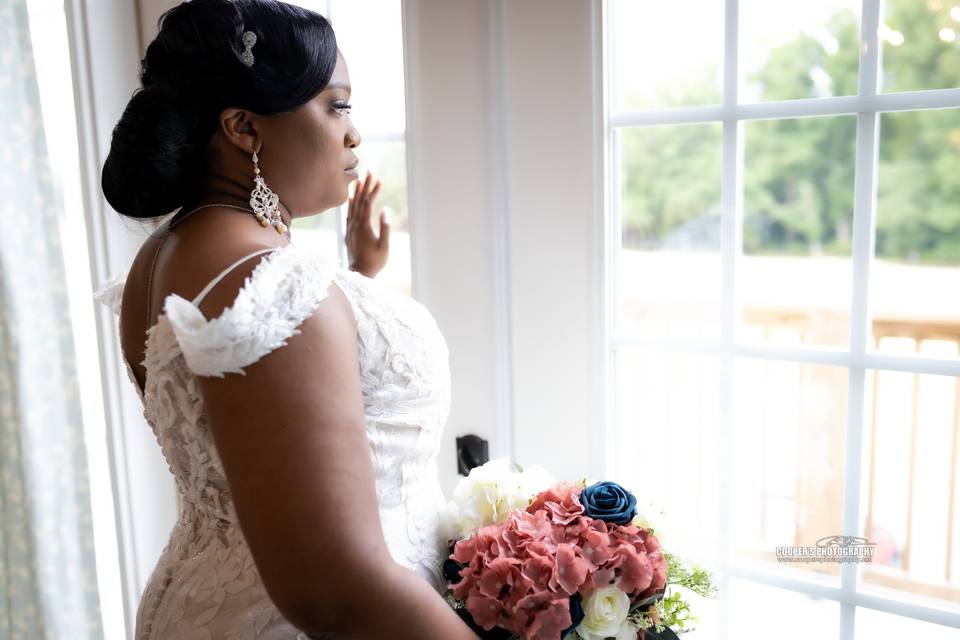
(194, 69)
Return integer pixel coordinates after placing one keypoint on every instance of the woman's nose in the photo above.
(353, 138)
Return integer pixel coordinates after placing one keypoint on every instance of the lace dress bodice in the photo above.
(205, 584)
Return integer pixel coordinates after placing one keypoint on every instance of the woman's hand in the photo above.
(367, 252)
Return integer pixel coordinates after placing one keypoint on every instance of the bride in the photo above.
(298, 404)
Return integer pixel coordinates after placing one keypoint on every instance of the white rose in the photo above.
(488, 494)
(628, 631)
(604, 614)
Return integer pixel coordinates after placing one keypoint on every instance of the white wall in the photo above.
(506, 211)
(447, 58)
(555, 214)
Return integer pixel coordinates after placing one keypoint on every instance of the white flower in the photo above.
(450, 521)
(628, 631)
(605, 614)
(488, 494)
(533, 480)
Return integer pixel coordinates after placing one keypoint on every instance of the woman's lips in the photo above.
(353, 172)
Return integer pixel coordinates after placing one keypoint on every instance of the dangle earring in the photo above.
(265, 203)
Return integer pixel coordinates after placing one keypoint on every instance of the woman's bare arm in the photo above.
(292, 438)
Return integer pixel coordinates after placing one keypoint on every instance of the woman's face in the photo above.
(305, 154)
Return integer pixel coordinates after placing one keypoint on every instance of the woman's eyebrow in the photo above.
(339, 85)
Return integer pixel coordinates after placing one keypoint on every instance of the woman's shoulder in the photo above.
(252, 310)
(202, 250)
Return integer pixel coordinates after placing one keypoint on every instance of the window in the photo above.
(370, 36)
(785, 327)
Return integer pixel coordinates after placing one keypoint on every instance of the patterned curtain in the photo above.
(48, 576)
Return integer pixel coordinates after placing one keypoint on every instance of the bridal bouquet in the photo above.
(534, 559)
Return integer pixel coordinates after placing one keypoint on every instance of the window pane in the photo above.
(320, 6)
(788, 438)
(759, 612)
(668, 54)
(388, 161)
(669, 402)
(318, 232)
(795, 276)
(918, 234)
(872, 624)
(370, 36)
(920, 45)
(669, 273)
(798, 50)
(911, 424)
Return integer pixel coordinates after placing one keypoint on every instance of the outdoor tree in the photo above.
(799, 172)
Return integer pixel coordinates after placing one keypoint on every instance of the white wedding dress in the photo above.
(205, 585)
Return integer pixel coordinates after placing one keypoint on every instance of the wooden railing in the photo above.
(831, 328)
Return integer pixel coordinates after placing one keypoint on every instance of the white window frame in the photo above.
(104, 52)
(867, 106)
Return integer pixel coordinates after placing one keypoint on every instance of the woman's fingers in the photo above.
(367, 184)
(371, 185)
(360, 206)
(356, 202)
(354, 199)
(368, 205)
(368, 195)
(375, 191)
(350, 201)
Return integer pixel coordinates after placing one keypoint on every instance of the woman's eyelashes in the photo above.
(341, 106)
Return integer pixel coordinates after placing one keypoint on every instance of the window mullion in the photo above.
(731, 195)
(800, 108)
(864, 210)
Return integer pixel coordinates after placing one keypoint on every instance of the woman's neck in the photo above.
(231, 196)
(223, 190)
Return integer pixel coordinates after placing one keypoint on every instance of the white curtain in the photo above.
(48, 578)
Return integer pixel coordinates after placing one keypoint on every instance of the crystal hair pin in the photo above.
(249, 39)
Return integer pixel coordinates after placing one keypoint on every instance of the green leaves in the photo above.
(670, 611)
(690, 576)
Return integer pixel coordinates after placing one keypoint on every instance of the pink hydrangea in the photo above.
(562, 502)
(520, 574)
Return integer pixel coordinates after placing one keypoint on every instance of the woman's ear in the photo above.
(239, 129)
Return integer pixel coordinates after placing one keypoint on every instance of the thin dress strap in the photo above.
(212, 283)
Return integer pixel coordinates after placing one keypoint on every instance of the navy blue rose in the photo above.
(609, 502)
(576, 614)
(451, 570)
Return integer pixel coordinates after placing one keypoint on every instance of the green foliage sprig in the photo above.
(689, 575)
(671, 609)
